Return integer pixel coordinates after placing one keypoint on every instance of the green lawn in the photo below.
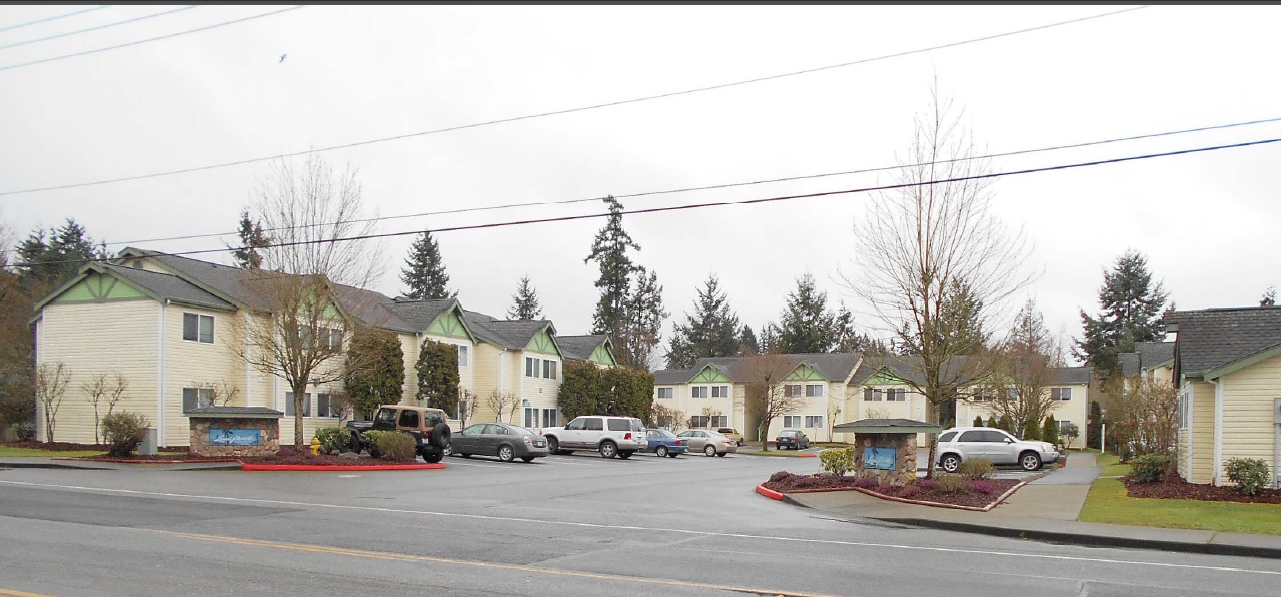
(1112, 466)
(8, 452)
(1109, 503)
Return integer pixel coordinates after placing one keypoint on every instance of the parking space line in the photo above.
(479, 464)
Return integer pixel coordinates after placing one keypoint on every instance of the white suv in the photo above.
(960, 444)
(610, 436)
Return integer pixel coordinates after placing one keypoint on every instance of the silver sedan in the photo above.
(708, 442)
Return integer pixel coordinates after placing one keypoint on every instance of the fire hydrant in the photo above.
(315, 446)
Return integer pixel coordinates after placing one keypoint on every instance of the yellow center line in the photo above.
(17, 593)
(360, 553)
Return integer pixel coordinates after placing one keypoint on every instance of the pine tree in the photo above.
(848, 338)
(978, 420)
(992, 422)
(252, 240)
(424, 271)
(609, 251)
(525, 305)
(1094, 426)
(65, 250)
(1050, 432)
(806, 325)
(711, 331)
(769, 338)
(643, 319)
(1032, 431)
(747, 344)
(1269, 297)
(1131, 312)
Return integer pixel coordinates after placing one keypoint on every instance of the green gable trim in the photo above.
(542, 343)
(98, 287)
(602, 355)
(449, 324)
(708, 374)
(1253, 359)
(883, 379)
(804, 373)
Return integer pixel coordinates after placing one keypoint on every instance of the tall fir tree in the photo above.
(848, 338)
(525, 305)
(252, 240)
(64, 250)
(806, 325)
(643, 319)
(424, 271)
(609, 251)
(710, 331)
(747, 343)
(1132, 305)
(769, 338)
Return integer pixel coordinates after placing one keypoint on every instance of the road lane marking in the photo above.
(382, 555)
(477, 464)
(652, 529)
(17, 593)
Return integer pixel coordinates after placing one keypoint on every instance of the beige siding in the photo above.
(1183, 452)
(539, 392)
(1075, 410)
(1249, 429)
(486, 373)
(1202, 432)
(95, 338)
(189, 364)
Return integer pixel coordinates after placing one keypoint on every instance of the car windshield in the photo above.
(788, 434)
(637, 425)
(663, 432)
(520, 431)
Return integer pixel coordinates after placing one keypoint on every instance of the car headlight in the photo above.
(1047, 447)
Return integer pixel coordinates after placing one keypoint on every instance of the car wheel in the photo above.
(527, 458)
(608, 450)
(672, 455)
(448, 450)
(624, 454)
(950, 463)
(740, 443)
(433, 457)
(661, 451)
(505, 453)
(553, 446)
(1030, 461)
(722, 454)
(464, 455)
(709, 450)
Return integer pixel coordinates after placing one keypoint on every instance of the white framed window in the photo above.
(335, 339)
(698, 392)
(549, 417)
(665, 393)
(193, 398)
(793, 390)
(325, 407)
(813, 421)
(198, 328)
(531, 418)
(873, 394)
(1061, 393)
(792, 421)
(1185, 405)
(549, 369)
(289, 404)
(698, 422)
(984, 395)
(462, 356)
(814, 390)
(896, 395)
(720, 391)
(1063, 423)
(531, 367)
(719, 421)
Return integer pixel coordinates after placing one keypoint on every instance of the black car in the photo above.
(793, 439)
(507, 442)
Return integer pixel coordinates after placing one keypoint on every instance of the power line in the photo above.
(687, 206)
(732, 184)
(570, 110)
(54, 18)
(135, 19)
(143, 41)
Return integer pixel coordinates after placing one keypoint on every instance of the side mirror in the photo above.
(1009, 441)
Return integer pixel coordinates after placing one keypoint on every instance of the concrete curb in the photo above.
(1223, 549)
(51, 465)
(770, 493)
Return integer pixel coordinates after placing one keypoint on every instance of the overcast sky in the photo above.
(1206, 221)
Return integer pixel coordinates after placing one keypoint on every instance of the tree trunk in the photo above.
(764, 433)
(931, 416)
(299, 396)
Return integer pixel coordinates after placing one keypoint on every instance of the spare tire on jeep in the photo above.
(440, 435)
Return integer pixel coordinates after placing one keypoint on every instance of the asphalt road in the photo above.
(566, 525)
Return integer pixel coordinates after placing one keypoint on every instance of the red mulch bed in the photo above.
(923, 491)
(54, 446)
(1175, 488)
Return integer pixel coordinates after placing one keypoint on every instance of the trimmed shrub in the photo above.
(978, 420)
(396, 446)
(1250, 474)
(984, 487)
(951, 483)
(371, 443)
(24, 431)
(991, 422)
(803, 482)
(909, 491)
(1150, 468)
(976, 468)
(1050, 432)
(1005, 424)
(333, 440)
(1032, 432)
(123, 431)
(927, 484)
(837, 461)
(866, 482)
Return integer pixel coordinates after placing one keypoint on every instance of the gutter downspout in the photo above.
(1218, 431)
(248, 377)
(160, 377)
(502, 354)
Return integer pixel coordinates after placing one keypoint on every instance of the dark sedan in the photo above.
(507, 442)
(792, 439)
(664, 443)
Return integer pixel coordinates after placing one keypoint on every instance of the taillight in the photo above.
(529, 441)
(628, 436)
(678, 442)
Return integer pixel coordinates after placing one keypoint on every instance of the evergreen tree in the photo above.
(848, 338)
(806, 325)
(1269, 297)
(1094, 426)
(252, 240)
(525, 305)
(1032, 431)
(1006, 424)
(643, 319)
(769, 338)
(424, 271)
(1050, 432)
(437, 370)
(978, 420)
(992, 422)
(711, 331)
(1131, 312)
(375, 371)
(63, 250)
(747, 344)
(609, 251)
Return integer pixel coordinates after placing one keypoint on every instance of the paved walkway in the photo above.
(1045, 509)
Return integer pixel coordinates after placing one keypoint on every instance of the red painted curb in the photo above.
(340, 467)
(769, 493)
(807, 455)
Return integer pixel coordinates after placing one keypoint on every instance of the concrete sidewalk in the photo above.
(61, 463)
(1045, 510)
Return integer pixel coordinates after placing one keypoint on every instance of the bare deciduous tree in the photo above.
(502, 403)
(103, 388)
(667, 417)
(466, 405)
(765, 395)
(310, 281)
(833, 410)
(221, 393)
(51, 385)
(1145, 416)
(1018, 388)
(934, 261)
(707, 414)
(876, 413)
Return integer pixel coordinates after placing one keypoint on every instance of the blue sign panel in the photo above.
(234, 437)
(879, 458)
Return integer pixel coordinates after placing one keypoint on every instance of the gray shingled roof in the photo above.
(671, 377)
(833, 367)
(1071, 375)
(248, 412)
(1214, 338)
(579, 348)
(421, 313)
(1130, 363)
(1152, 354)
(167, 286)
(503, 333)
(907, 368)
